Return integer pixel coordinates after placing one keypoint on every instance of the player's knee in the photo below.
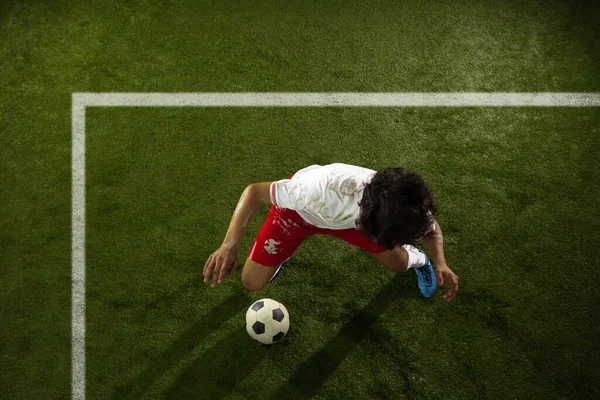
(251, 277)
(252, 284)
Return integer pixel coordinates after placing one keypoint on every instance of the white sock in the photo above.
(416, 259)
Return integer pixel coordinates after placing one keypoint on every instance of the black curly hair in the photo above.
(397, 208)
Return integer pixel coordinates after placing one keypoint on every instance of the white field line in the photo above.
(78, 251)
(83, 100)
(541, 99)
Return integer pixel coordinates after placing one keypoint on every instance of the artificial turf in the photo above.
(517, 190)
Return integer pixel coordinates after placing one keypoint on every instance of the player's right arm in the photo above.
(225, 258)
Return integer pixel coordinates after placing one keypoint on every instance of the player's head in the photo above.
(397, 208)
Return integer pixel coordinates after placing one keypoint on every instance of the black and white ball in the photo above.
(267, 321)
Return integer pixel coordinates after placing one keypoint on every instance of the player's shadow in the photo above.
(184, 345)
(311, 374)
(219, 369)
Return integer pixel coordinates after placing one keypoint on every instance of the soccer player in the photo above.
(383, 212)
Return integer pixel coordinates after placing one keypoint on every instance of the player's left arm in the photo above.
(434, 241)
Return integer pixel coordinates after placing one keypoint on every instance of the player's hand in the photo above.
(443, 274)
(219, 262)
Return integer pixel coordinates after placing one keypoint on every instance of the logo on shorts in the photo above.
(271, 246)
(286, 226)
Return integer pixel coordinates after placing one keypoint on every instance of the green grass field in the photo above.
(517, 190)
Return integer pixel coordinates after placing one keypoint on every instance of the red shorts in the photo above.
(284, 230)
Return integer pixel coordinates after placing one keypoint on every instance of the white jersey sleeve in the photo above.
(288, 193)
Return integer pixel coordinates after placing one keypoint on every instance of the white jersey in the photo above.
(325, 196)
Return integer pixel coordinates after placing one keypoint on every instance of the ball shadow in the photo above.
(219, 369)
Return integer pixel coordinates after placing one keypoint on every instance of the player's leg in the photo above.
(395, 260)
(402, 258)
(398, 259)
(256, 276)
(277, 240)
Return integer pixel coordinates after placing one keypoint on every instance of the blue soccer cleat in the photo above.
(427, 280)
(278, 272)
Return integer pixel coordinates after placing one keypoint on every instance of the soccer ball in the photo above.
(267, 321)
